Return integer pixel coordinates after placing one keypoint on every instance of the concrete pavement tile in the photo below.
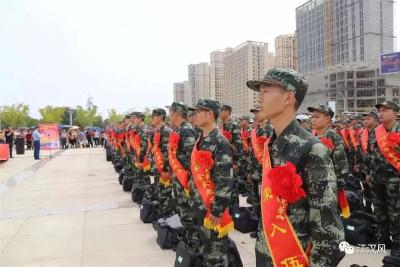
(141, 257)
(59, 262)
(53, 225)
(114, 237)
(8, 228)
(112, 217)
(31, 248)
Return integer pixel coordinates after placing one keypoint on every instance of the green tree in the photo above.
(16, 115)
(114, 116)
(52, 114)
(85, 117)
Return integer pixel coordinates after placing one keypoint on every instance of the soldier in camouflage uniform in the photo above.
(192, 121)
(263, 130)
(321, 123)
(127, 180)
(141, 175)
(164, 188)
(214, 248)
(370, 122)
(315, 217)
(178, 113)
(231, 130)
(385, 178)
(245, 131)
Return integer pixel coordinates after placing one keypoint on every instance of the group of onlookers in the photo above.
(75, 138)
(31, 138)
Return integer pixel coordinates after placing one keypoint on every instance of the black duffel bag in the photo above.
(148, 211)
(186, 257)
(118, 166)
(109, 154)
(168, 231)
(137, 193)
(360, 228)
(245, 220)
(391, 261)
(234, 259)
(127, 182)
(354, 198)
(121, 176)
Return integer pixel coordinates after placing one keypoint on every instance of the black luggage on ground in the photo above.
(354, 199)
(109, 154)
(118, 166)
(127, 182)
(245, 220)
(137, 193)
(168, 231)
(360, 228)
(390, 261)
(121, 176)
(148, 211)
(234, 259)
(186, 257)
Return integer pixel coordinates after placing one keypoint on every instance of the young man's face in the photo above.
(224, 114)
(369, 122)
(155, 119)
(386, 114)
(244, 123)
(273, 100)
(203, 117)
(173, 115)
(319, 120)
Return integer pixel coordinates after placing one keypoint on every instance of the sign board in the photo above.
(50, 137)
(390, 63)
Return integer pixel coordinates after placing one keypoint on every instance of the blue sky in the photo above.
(124, 53)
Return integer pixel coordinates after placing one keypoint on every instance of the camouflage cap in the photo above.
(180, 107)
(388, 104)
(372, 113)
(323, 109)
(139, 115)
(226, 107)
(254, 110)
(159, 112)
(208, 104)
(288, 79)
(245, 117)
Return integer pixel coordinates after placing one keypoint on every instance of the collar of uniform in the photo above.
(394, 128)
(283, 139)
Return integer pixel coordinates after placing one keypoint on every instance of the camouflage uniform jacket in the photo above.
(338, 156)
(221, 173)
(164, 132)
(186, 144)
(380, 169)
(316, 217)
(143, 132)
(364, 156)
(236, 141)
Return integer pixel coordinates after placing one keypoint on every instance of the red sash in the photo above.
(159, 160)
(389, 152)
(345, 138)
(364, 141)
(257, 143)
(136, 143)
(245, 138)
(354, 138)
(202, 163)
(283, 243)
(227, 134)
(177, 168)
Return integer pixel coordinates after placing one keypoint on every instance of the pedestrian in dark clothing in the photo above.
(10, 139)
(89, 137)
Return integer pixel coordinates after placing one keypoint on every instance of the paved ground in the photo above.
(71, 211)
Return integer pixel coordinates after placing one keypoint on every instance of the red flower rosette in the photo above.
(227, 134)
(286, 183)
(204, 159)
(327, 142)
(393, 140)
(174, 140)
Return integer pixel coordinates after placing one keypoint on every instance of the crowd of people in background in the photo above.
(75, 138)
(71, 137)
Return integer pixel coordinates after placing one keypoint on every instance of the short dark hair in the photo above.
(174, 109)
